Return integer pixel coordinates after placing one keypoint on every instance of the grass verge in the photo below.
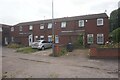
(26, 50)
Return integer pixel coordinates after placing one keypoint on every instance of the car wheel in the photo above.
(43, 48)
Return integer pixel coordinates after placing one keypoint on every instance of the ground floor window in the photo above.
(50, 38)
(100, 38)
(90, 38)
(41, 37)
(35, 38)
(56, 39)
(12, 39)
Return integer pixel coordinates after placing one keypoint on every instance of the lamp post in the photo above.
(53, 34)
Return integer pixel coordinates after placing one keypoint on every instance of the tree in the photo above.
(115, 34)
(114, 19)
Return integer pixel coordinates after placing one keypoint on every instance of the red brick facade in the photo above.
(68, 34)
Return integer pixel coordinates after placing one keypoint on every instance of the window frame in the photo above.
(81, 23)
(49, 25)
(30, 27)
(63, 24)
(42, 37)
(41, 26)
(12, 29)
(50, 36)
(20, 28)
(100, 41)
(90, 36)
(100, 24)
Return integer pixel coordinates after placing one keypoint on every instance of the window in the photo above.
(56, 39)
(12, 28)
(35, 38)
(20, 28)
(81, 23)
(30, 27)
(100, 38)
(41, 37)
(12, 39)
(100, 21)
(63, 24)
(49, 38)
(90, 38)
(49, 25)
(0, 29)
(41, 26)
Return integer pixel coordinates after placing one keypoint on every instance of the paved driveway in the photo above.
(73, 65)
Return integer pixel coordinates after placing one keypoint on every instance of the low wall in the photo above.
(104, 52)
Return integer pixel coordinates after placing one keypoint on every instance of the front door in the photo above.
(6, 41)
(30, 39)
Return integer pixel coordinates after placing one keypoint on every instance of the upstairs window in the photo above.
(90, 38)
(81, 23)
(99, 21)
(49, 25)
(41, 26)
(100, 38)
(63, 24)
(30, 27)
(12, 28)
(20, 28)
(0, 29)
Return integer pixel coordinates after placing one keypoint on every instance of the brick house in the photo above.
(94, 29)
(4, 34)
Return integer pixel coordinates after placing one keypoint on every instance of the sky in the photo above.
(16, 11)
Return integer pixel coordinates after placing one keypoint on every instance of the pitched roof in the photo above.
(91, 16)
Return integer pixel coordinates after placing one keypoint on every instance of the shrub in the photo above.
(113, 45)
(115, 34)
(61, 53)
(79, 42)
(26, 50)
(14, 45)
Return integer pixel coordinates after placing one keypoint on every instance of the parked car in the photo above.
(41, 44)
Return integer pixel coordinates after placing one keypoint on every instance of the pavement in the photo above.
(75, 64)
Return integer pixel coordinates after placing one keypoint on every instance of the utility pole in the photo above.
(53, 34)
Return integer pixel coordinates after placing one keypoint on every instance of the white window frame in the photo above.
(90, 36)
(81, 23)
(41, 37)
(20, 28)
(56, 39)
(63, 24)
(1, 29)
(41, 26)
(50, 38)
(102, 39)
(12, 28)
(30, 27)
(100, 19)
(12, 39)
(49, 25)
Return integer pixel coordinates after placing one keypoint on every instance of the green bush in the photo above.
(113, 45)
(61, 53)
(14, 45)
(26, 50)
(79, 42)
(115, 34)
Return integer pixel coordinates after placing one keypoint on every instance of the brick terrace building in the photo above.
(4, 34)
(94, 28)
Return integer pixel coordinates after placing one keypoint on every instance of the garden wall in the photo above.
(104, 52)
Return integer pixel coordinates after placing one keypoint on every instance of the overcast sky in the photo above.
(16, 11)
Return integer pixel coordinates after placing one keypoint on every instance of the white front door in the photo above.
(6, 42)
(30, 39)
